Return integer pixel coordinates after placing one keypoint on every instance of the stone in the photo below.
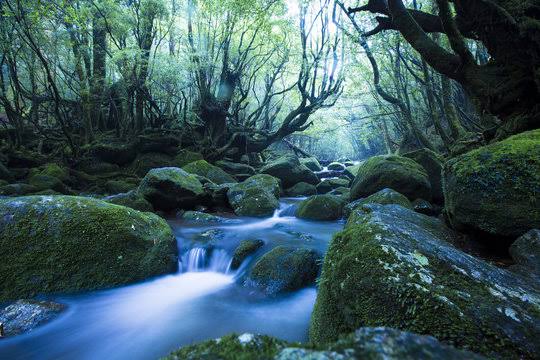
(25, 315)
(236, 168)
(383, 197)
(432, 163)
(301, 189)
(335, 166)
(131, 199)
(185, 157)
(244, 250)
(211, 172)
(257, 196)
(290, 171)
(327, 185)
(321, 207)
(526, 253)
(311, 163)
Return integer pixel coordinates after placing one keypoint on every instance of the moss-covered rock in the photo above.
(256, 196)
(395, 172)
(285, 269)
(97, 167)
(185, 157)
(496, 189)
(236, 168)
(526, 253)
(290, 171)
(214, 173)
(394, 267)
(119, 186)
(425, 207)
(5, 174)
(25, 315)
(157, 142)
(245, 249)
(201, 217)
(432, 163)
(301, 189)
(352, 171)
(311, 163)
(321, 207)
(327, 185)
(120, 153)
(171, 188)
(131, 199)
(66, 243)
(148, 161)
(17, 189)
(47, 182)
(383, 197)
(53, 169)
(336, 166)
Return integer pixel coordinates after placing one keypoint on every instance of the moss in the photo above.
(327, 185)
(17, 189)
(478, 182)
(232, 347)
(311, 163)
(214, 173)
(118, 186)
(148, 161)
(383, 197)
(432, 163)
(336, 166)
(301, 189)
(185, 157)
(131, 199)
(290, 171)
(64, 244)
(256, 196)
(114, 153)
(46, 182)
(245, 249)
(321, 207)
(55, 170)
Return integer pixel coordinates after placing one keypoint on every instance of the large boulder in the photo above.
(25, 315)
(148, 161)
(395, 172)
(311, 163)
(496, 189)
(236, 168)
(352, 171)
(432, 163)
(244, 250)
(67, 243)
(209, 171)
(321, 207)
(185, 157)
(383, 197)
(132, 199)
(47, 182)
(394, 267)
(171, 188)
(285, 269)
(256, 196)
(336, 166)
(327, 185)
(301, 189)
(290, 171)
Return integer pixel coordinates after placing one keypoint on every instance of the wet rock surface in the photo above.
(26, 315)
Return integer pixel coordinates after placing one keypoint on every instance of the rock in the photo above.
(327, 185)
(348, 163)
(352, 171)
(148, 161)
(495, 189)
(301, 189)
(25, 315)
(17, 189)
(395, 267)
(217, 194)
(285, 269)
(158, 143)
(256, 196)
(54, 244)
(97, 167)
(52, 169)
(526, 253)
(425, 207)
(25, 159)
(201, 217)
(432, 163)
(171, 188)
(395, 172)
(5, 174)
(185, 157)
(290, 171)
(342, 191)
(383, 197)
(335, 166)
(236, 168)
(131, 199)
(118, 186)
(245, 249)
(321, 207)
(311, 163)
(214, 173)
(209, 239)
(114, 153)
(46, 182)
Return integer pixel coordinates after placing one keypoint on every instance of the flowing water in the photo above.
(204, 300)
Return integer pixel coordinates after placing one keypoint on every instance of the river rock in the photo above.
(209, 171)
(185, 157)
(201, 217)
(432, 163)
(321, 207)
(245, 249)
(132, 199)
(236, 168)
(171, 188)
(301, 189)
(395, 172)
(256, 196)
(327, 185)
(383, 197)
(351, 171)
(394, 267)
(285, 269)
(290, 171)
(425, 207)
(148, 161)
(336, 166)
(25, 315)
(526, 253)
(311, 163)
(67, 243)
(496, 189)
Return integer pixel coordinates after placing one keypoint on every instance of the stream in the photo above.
(204, 300)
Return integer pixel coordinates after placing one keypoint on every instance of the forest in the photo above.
(269, 179)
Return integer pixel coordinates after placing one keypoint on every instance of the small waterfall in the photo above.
(201, 260)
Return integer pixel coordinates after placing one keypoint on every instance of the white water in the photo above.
(205, 300)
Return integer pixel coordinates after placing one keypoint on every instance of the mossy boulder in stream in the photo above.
(131, 199)
(394, 267)
(311, 163)
(171, 188)
(185, 157)
(432, 163)
(285, 269)
(209, 171)
(327, 185)
(496, 189)
(301, 189)
(383, 197)
(256, 196)
(245, 249)
(321, 207)
(395, 172)
(25, 315)
(290, 171)
(67, 243)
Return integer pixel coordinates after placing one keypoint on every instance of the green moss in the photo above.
(301, 189)
(52, 169)
(185, 157)
(64, 244)
(214, 173)
(383, 197)
(131, 199)
(432, 163)
(245, 249)
(321, 207)
(255, 196)
(118, 186)
(148, 161)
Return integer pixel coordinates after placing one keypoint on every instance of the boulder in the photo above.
(185, 157)
(425, 207)
(214, 173)
(301, 189)
(383, 197)
(285, 269)
(495, 189)
(394, 267)
(97, 167)
(171, 188)
(327, 185)
(25, 315)
(336, 166)
(5, 174)
(236, 168)
(352, 171)
(114, 153)
(432, 163)
(395, 172)
(47, 182)
(321, 207)
(256, 196)
(148, 161)
(52, 169)
(311, 163)
(64, 244)
(201, 217)
(158, 143)
(131, 199)
(118, 186)
(526, 253)
(245, 249)
(217, 194)
(17, 189)
(290, 171)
